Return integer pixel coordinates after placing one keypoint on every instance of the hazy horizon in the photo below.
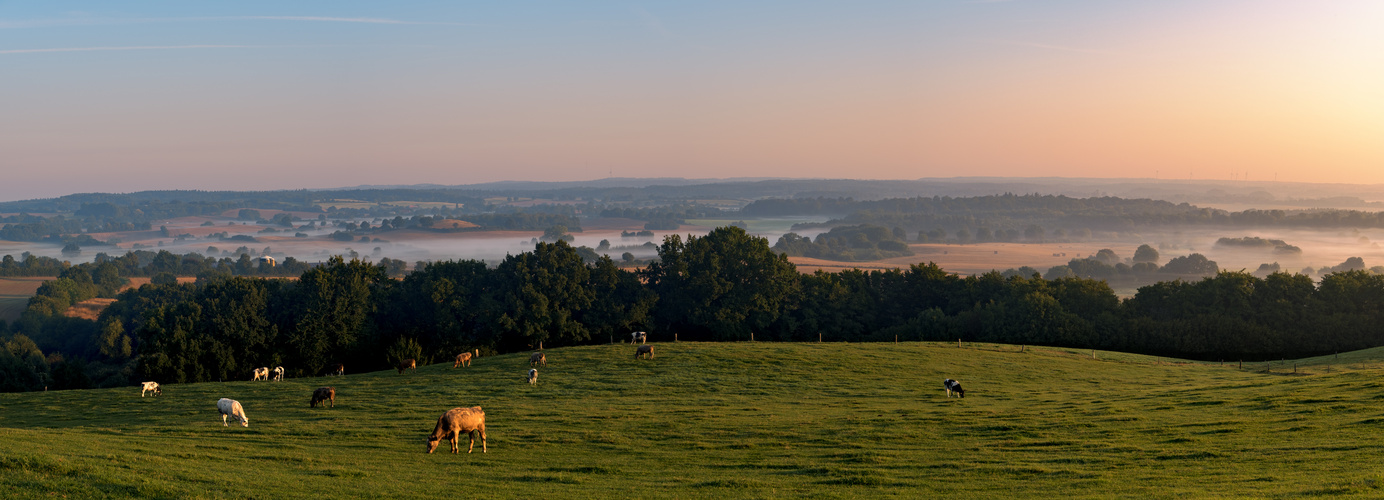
(267, 95)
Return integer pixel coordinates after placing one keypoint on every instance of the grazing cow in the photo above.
(953, 386)
(278, 373)
(538, 358)
(232, 408)
(261, 374)
(150, 386)
(456, 421)
(340, 370)
(408, 364)
(638, 337)
(644, 349)
(463, 359)
(533, 376)
(323, 395)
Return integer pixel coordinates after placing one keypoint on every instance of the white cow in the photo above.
(278, 373)
(150, 386)
(261, 374)
(232, 408)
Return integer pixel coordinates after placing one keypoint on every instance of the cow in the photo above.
(639, 337)
(538, 358)
(456, 421)
(150, 386)
(261, 374)
(463, 359)
(533, 376)
(953, 386)
(278, 373)
(408, 364)
(323, 395)
(232, 408)
(644, 349)
(340, 370)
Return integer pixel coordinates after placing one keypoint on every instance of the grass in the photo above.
(718, 420)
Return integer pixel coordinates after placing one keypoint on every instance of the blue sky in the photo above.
(104, 96)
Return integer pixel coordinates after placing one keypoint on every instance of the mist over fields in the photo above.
(712, 203)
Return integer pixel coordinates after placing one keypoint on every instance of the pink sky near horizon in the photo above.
(877, 90)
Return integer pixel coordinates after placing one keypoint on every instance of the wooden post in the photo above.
(1242, 364)
(958, 342)
(1021, 348)
(751, 336)
(1093, 354)
(896, 339)
(675, 337)
(540, 345)
(819, 337)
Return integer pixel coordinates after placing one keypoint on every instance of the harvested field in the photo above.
(976, 258)
(24, 286)
(89, 309)
(452, 224)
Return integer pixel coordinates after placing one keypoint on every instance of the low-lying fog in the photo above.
(408, 245)
(1319, 248)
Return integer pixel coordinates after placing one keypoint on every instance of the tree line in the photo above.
(725, 286)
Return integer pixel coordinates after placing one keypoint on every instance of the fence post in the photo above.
(896, 339)
(675, 336)
(819, 337)
(958, 342)
(751, 336)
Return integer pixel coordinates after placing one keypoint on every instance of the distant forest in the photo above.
(1011, 217)
(725, 286)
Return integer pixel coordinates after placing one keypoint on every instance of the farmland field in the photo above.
(11, 306)
(738, 420)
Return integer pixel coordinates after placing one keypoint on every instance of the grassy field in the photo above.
(729, 420)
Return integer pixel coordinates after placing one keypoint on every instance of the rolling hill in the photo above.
(739, 420)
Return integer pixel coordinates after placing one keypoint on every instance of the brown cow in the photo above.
(538, 358)
(463, 359)
(408, 364)
(456, 421)
(340, 370)
(323, 395)
(644, 349)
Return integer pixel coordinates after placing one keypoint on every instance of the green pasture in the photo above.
(704, 420)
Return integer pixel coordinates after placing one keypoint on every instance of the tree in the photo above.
(332, 303)
(71, 250)
(1191, 264)
(721, 286)
(1107, 257)
(541, 292)
(1145, 253)
(557, 233)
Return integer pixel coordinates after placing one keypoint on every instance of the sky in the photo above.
(129, 96)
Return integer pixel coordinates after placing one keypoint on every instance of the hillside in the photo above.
(715, 420)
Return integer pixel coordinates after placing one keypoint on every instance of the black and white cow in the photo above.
(953, 386)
